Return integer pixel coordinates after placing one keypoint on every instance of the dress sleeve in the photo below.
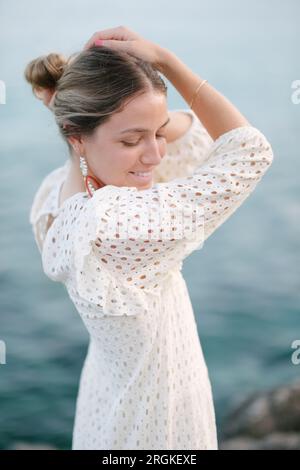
(43, 205)
(38, 216)
(138, 238)
(186, 153)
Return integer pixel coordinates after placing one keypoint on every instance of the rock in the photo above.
(265, 420)
(275, 441)
(29, 446)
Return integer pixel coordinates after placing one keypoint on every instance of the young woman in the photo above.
(115, 223)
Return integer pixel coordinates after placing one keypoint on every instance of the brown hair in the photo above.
(91, 85)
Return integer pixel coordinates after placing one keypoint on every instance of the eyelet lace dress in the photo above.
(144, 382)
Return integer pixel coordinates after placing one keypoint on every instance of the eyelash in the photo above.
(130, 144)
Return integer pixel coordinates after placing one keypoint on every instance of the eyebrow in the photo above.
(141, 129)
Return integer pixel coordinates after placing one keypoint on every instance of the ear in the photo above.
(76, 143)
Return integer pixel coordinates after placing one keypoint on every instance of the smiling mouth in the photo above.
(141, 174)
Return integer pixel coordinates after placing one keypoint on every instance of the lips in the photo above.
(141, 173)
(143, 176)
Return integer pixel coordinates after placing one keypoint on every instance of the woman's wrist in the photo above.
(165, 60)
(215, 111)
(178, 73)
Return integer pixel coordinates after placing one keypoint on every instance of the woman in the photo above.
(115, 223)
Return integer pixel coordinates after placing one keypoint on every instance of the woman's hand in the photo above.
(123, 39)
(45, 94)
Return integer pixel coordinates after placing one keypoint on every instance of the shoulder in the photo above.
(180, 123)
(44, 188)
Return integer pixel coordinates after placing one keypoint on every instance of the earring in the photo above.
(83, 166)
(88, 184)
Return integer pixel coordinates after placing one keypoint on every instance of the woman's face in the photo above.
(117, 155)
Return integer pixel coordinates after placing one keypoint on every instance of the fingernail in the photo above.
(99, 42)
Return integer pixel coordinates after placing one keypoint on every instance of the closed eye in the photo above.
(132, 144)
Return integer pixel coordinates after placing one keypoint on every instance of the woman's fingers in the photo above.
(124, 39)
(119, 45)
(120, 34)
(105, 34)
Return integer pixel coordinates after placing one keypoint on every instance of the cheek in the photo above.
(114, 165)
(128, 157)
(99, 156)
(107, 163)
(125, 159)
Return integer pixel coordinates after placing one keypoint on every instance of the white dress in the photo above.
(144, 382)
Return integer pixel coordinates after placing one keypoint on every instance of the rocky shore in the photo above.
(265, 421)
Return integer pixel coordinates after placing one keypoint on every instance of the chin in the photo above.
(132, 182)
(145, 186)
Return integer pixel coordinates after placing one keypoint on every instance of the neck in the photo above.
(75, 174)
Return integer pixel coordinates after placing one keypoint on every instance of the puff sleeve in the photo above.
(43, 205)
(136, 239)
(186, 153)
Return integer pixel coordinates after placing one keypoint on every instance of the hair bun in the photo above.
(45, 71)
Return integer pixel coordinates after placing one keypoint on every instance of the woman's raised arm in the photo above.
(217, 113)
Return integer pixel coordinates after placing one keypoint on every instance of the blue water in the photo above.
(244, 284)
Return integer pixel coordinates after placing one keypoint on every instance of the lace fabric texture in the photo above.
(144, 384)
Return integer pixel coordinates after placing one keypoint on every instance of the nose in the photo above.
(154, 153)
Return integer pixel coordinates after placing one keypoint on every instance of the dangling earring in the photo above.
(88, 184)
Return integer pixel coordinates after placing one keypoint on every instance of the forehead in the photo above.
(148, 111)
